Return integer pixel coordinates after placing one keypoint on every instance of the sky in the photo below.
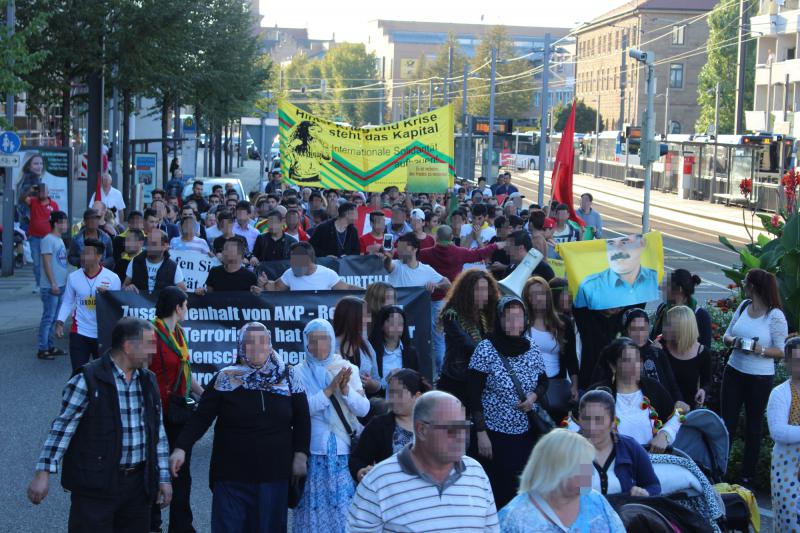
(349, 19)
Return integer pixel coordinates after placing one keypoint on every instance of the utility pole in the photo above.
(623, 79)
(649, 150)
(8, 190)
(430, 95)
(419, 99)
(383, 91)
(115, 150)
(464, 121)
(716, 136)
(666, 112)
(449, 75)
(95, 132)
(770, 97)
(738, 126)
(596, 138)
(492, 178)
(543, 122)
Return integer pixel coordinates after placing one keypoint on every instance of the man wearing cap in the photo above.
(418, 229)
(90, 230)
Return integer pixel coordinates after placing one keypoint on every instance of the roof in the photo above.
(465, 29)
(690, 6)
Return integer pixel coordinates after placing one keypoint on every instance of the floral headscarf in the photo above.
(273, 375)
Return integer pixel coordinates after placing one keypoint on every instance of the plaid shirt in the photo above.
(131, 403)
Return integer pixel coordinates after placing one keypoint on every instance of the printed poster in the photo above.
(611, 273)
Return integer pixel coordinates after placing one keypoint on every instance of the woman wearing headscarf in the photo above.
(335, 399)
(504, 362)
(261, 438)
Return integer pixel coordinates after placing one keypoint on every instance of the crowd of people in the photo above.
(538, 414)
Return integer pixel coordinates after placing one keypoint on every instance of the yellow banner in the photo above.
(417, 152)
(604, 274)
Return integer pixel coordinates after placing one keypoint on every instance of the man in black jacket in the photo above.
(153, 270)
(110, 439)
(338, 237)
(274, 244)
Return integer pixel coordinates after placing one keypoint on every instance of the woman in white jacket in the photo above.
(335, 398)
(783, 418)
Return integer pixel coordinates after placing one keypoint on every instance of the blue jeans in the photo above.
(36, 254)
(437, 337)
(249, 507)
(50, 305)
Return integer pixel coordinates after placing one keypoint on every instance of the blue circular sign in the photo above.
(9, 142)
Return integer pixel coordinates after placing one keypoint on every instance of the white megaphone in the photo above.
(513, 284)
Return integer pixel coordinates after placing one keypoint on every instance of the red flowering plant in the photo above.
(790, 182)
(746, 188)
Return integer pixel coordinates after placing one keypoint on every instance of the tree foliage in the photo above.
(723, 24)
(585, 117)
(513, 88)
(438, 68)
(347, 71)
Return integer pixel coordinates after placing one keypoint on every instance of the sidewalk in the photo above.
(20, 308)
(715, 218)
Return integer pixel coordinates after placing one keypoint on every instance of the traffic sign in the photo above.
(9, 160)
(9, 142)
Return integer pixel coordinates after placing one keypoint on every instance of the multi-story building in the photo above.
(675, 31)
(400, 45)
(282, 44)
(777, 77)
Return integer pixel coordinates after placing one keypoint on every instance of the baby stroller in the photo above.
(704, 438)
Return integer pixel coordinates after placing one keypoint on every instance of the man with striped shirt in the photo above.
(430, 485)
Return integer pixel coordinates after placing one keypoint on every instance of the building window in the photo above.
(677, 34)
(676, 76)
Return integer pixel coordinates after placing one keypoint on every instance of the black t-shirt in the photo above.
(221, 280)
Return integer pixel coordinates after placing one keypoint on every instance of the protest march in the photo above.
(381, 345)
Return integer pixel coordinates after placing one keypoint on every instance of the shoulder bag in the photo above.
(350, 431)
(179, 408)
(535, 422)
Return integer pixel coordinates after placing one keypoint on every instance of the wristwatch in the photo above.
(763, 350)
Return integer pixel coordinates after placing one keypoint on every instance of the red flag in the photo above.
(563, 166)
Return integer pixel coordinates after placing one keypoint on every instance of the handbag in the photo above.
(557, 399)
(536, 423)
(350, 431)
(180, 408)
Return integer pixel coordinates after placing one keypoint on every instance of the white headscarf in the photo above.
(313, 371)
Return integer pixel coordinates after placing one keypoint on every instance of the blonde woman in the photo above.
(690, 360)
(555, 491)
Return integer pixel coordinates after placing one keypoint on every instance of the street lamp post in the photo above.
(649, 149)
(543, 122)
(597, 137)
(491, 177)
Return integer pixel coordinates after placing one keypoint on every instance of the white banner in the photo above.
(195, 267)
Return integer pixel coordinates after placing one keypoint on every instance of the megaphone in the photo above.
(513, 284)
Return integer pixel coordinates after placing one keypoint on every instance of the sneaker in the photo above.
(56, 351)
(45, 354)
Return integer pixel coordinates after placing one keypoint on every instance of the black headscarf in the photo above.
(506, 344)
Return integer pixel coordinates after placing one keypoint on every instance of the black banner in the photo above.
(359, 270)
(214, 320)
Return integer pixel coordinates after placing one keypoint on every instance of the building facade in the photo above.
(608, 79)
(399, 46)
(777, 76)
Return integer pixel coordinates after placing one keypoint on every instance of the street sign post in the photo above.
(9, 160)
(9, 142)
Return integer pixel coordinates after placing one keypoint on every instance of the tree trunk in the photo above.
(227, 146)
(164, 143)
(126, 149)
(218, 150)
(66, 110)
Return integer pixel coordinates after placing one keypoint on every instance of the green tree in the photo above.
(513, 85)
(723, 23)
(438, 67)
(585, 117)
(20, 58)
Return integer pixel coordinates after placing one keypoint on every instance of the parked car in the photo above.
(209, 182)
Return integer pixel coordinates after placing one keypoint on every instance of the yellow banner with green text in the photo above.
(414, 154)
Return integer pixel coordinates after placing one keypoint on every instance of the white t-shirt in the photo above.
(771, 330)
(112, 199)
(323, 279)
(212, 233)
(81, 297)
(550, 350)
(403, 275)
(195, 245)
(152, 270)
(487, 234)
